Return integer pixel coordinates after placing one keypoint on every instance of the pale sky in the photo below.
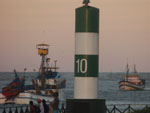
(124, 33)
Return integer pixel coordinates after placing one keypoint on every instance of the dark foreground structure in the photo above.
(122, 108)
(85, 106)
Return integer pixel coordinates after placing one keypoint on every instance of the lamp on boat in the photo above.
(42, 49)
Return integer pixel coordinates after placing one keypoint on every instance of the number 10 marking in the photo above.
(81, 65)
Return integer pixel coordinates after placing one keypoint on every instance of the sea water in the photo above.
(108, 87)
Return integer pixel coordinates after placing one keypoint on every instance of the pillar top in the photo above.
(86, 2)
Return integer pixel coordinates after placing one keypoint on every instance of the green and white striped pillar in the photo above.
(86, 63)
(86, 53)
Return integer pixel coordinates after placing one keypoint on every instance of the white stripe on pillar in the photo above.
(86, 87)
(86, 43)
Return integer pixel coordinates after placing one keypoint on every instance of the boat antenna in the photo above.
(16, 75)
(34, 70)
(25, 69)
(47, 62)
(55, 65)
(127, 70)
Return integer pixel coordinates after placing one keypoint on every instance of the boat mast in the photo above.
(42, 69)
(127, 74)
(135, 71)
(42, 51)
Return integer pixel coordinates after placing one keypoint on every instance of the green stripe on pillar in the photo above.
(86, 65)
(87, 19)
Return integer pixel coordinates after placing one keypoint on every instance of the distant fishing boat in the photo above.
(44, 86)
(132, 81)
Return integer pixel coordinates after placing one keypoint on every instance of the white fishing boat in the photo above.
(132, 81)
(44, 86)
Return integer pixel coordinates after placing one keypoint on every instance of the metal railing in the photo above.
(123, 108)
(17, 109)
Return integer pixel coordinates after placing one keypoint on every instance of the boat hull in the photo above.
(25, 98)
(126, 85)
(14, 88)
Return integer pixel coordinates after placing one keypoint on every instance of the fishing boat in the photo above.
(132, 81)
(47, 82)
(13, 89)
